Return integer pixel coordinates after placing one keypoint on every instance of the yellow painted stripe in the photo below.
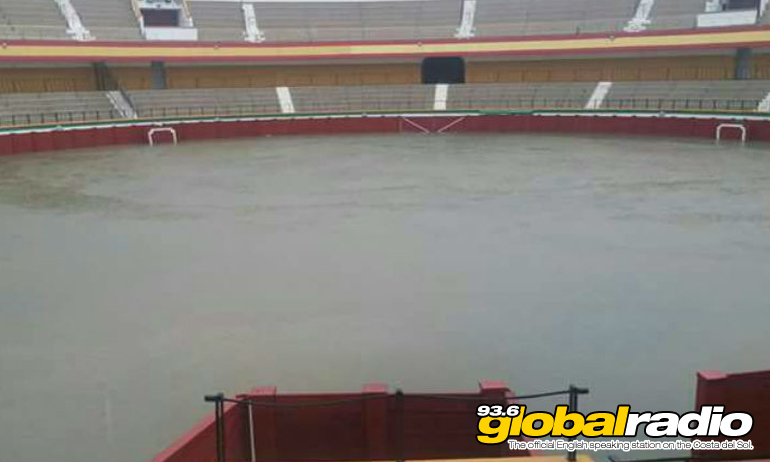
(726, 39)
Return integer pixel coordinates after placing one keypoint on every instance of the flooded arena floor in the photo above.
(135, 280)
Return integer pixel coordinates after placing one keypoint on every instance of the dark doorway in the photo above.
(742, 5)
(443, 70)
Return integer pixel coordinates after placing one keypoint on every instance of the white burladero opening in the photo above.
(152, 132)
(740, 127)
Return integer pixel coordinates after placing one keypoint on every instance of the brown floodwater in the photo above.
(135, 280)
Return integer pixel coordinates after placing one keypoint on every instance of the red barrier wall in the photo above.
(199, 444)
(615, 125)
(371, 425)
(743, 392)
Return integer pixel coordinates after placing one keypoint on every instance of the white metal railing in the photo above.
(138, 13)
(121, 105)
(764, 105)
(153, 131)
(739, 127)
(440, 97)
(75, 27)
(285, 99)
(598, 96)
(252, 32)
(188, 18)
(641, 18)
(467, 29)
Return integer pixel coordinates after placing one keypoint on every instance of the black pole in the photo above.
(222, 428)
(573, 407)
(574, 393)
(219, 422)
(400, 424)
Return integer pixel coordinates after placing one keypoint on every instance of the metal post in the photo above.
(222, 429)
(400, 426)
(219, 424)
(251, 433)
(574, 392)
(573, 407)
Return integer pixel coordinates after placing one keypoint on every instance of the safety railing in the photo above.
(58, 117)
(219, 400)
(374, 104)
(388, 104)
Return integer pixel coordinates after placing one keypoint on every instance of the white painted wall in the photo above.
(728, 18)
(171, 33)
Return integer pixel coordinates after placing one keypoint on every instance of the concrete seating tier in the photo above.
(109, 19)
(217, 21)
(39, 108)
(543, 17)
(340, 21)
(31, 20)
(181, 103)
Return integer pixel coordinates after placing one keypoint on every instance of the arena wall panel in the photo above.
(743, 392)
(60, 139)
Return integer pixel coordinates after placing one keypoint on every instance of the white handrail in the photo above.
(740, 127)
(138, 13)
(161, 130)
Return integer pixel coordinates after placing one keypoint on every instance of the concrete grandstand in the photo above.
(66, 62)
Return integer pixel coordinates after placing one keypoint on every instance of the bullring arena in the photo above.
(201, 195)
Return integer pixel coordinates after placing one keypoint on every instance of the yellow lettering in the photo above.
(527, 425)
(622, 419)
(493, 435)
(562, 418)
(599, 424)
